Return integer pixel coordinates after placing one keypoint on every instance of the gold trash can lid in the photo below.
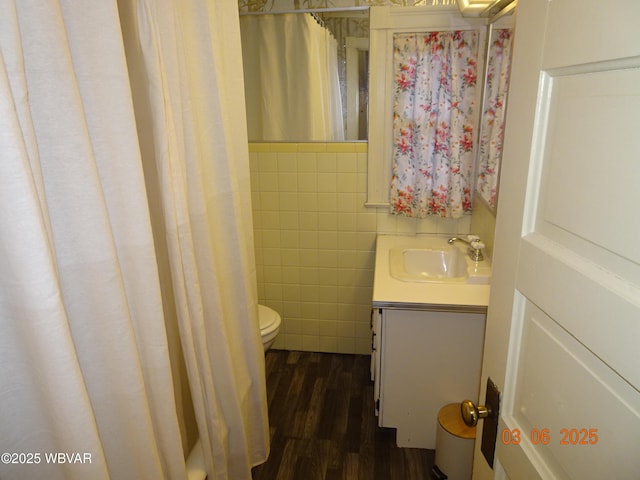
(450, 418)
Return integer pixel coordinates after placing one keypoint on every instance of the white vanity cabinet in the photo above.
(424, 359)
(427, 339)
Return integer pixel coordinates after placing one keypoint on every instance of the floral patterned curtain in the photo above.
(493, 115)
(434, 119)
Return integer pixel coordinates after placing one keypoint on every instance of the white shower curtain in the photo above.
(195, 144)
(83, 346)
(291, 77)
(84, 364)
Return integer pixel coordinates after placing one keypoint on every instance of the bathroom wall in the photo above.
(315, 241)
(483, 223)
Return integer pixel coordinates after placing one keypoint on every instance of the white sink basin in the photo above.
(423, 271)
(428, 264)
(433, 260)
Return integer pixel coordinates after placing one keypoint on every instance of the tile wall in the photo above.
(315, 241)
(483, 223)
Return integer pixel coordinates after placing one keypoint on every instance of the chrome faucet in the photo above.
(474, 246)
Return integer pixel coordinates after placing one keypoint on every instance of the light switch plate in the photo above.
(490, 427)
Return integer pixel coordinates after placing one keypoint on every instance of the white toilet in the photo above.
(269, 325)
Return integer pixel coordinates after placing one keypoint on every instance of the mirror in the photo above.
(494, 105)
(306, 75)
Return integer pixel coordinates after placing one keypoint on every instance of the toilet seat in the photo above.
(268, 319)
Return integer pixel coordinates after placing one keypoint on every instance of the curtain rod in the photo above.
(310, 10)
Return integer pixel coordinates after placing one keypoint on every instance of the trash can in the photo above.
(454, 445)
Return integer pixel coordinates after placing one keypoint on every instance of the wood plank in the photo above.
(323, 426)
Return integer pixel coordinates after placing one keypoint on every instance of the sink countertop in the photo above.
(389, 292)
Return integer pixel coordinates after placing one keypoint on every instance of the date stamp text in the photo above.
(544, 436)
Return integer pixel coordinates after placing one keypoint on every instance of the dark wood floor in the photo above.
(323, 425)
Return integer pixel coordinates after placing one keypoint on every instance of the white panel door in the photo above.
(563, 327)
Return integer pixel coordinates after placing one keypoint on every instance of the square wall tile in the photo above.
(289, 257)
(309, 221)
(291, 293)
(346, 183)
(328, 202)
(291, 325)
(328, 258)
(347, 163)
(328, 240)
(346, 328)
(363, 346)
(288, 201)
(270, 218)
(347, 202)
(287, 182)
(271, 238)
(347, 222)
(347, 345)
(307, 202)
(310, 343)
(273, 291)
(281, 220)
(367, 222)
(309, 297)
(328, 308)
(267, 162)
(307, 162)
(287, 162)
(269, 201)
(327, 221)
(327, 344)
(289, 239)
(310, 327)
(293, 342)
(327, 182)
(326, 162)
(308, 181)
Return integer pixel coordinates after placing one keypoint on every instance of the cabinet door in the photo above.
(376, 319)
(428, 360)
